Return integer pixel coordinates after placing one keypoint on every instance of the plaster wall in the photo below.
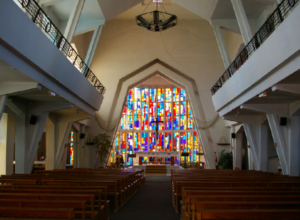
(82, 43)
(190, 47)
(233, 42)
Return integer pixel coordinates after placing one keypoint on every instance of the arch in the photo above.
(182, 80)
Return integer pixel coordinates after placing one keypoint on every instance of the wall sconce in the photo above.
(275, 145)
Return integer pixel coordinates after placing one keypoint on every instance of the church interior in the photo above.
(149, 109)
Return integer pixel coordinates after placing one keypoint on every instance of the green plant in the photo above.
(102, 145)
(185, 166)
(225, 160)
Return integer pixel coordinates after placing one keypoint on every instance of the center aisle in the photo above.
(152, 202)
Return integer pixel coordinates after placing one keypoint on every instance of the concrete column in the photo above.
(3, 99)
(93, 45)
(279, 139)
(222, 45)
(50, 145)
(251, 164)
(59, 129)
(80, 148)
(238, 150)
(263, 148)
(20, 144)
(242, 20)
(73, 19)
(7, 139)
(257, 135)
(294, 146)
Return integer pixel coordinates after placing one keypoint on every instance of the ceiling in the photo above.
(156, 81)
(168, 6)
(276, 97)
(224, 9)
(91, 10)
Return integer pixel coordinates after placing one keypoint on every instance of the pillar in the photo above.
(242, 20)
(73, 19)
(294, 146)
(93, 46)
(3, 99)
(58, 129)
(222, 45)
(238, 145)
(7, 131)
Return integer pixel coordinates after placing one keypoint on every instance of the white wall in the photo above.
(190, 47)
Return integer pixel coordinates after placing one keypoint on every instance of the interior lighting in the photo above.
(52, 93)
(264, 94)
(156, 21)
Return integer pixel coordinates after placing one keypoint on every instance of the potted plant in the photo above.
(102, 145)
(225, 160)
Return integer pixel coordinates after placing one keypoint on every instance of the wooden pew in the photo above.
(179, 184)
(37, 212)
(113, 187)
(85, 197)
(232, 205)
(190, 198)
(96, 193)
(74, 204)
(248, 214)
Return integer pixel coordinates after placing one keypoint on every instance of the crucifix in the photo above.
(157, 124)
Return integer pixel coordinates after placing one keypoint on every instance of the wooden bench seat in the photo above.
(37, 212)
(96, 193)
(57, 197)
(74, 204)
(248, 214)
(216, 205)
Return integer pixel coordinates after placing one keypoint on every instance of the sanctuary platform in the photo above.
(159, 169)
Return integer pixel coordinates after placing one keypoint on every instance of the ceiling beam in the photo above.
(16, 88)
(289, 88)
(276, 109)
(47, 3)
(85, 26)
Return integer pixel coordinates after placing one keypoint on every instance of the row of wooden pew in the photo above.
(228, 194)
(68, 193)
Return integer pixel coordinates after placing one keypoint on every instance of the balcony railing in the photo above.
(39, 17)
(275, 19)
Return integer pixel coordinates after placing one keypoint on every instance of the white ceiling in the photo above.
(156, 81)
(224, 9)
(91, 10)
(168, 5)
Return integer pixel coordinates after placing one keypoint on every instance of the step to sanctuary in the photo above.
(156, 169)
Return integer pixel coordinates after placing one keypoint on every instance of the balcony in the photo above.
(276, 18)
(27, 55)
(263, 63)
(39, 17)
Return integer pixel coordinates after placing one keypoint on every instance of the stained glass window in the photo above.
(176, 133)
(72, 149)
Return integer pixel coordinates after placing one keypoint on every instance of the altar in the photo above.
(156, 154)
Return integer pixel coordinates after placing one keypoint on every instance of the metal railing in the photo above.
(274, 20)
(40, 18)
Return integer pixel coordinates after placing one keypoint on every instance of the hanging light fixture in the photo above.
(156, 20)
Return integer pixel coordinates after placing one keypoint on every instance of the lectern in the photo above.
(185, 154)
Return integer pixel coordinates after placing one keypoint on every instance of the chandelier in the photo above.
(156, 20)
